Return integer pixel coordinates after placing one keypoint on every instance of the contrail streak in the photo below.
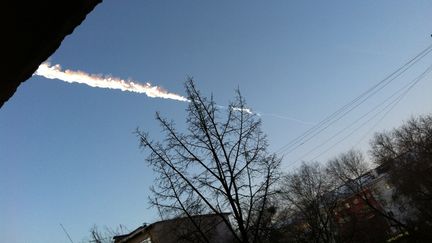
(108, 82)
(287, 118)
(247, 110)
(101, 81)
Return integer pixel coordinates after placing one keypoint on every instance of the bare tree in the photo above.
(220, 164)
(309, 204)
(366, 219)
(104, 235)
(407, 153)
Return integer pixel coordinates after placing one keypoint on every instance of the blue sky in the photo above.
(68, 153)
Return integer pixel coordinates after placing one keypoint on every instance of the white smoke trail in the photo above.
(288, 118)
(108, 82)
(247, 110)
(100, 81)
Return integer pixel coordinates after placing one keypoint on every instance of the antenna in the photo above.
(67, 234)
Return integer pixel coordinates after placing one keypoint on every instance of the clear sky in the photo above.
(67, 151)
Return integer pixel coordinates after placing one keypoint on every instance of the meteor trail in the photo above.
(108, 82)
(103, 81)
(247, 110)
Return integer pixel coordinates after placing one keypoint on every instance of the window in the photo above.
(146, 240)
(387, 186)
(343, 220)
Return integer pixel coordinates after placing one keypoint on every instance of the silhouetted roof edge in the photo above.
(32, 31)
(144, 227)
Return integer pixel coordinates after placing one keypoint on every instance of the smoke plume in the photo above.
(101, 81)
(105, 81)
(247, 110)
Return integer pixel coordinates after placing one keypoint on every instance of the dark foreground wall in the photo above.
(31, 31)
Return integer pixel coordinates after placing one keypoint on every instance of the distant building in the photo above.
(362, 203)
(357, 219)
(361, 210)
(181, 230)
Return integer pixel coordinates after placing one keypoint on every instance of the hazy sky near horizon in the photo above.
(68, 153)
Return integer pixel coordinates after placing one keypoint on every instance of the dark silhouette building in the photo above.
(31, 32)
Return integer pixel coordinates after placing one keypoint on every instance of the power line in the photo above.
(389, 107)
(328, 121)
(406, 87)
(67, 234)
(337, 115)
(376, 124)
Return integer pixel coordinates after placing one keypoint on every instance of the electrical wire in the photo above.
(340, 113)
(389, 107)
(408, 86)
